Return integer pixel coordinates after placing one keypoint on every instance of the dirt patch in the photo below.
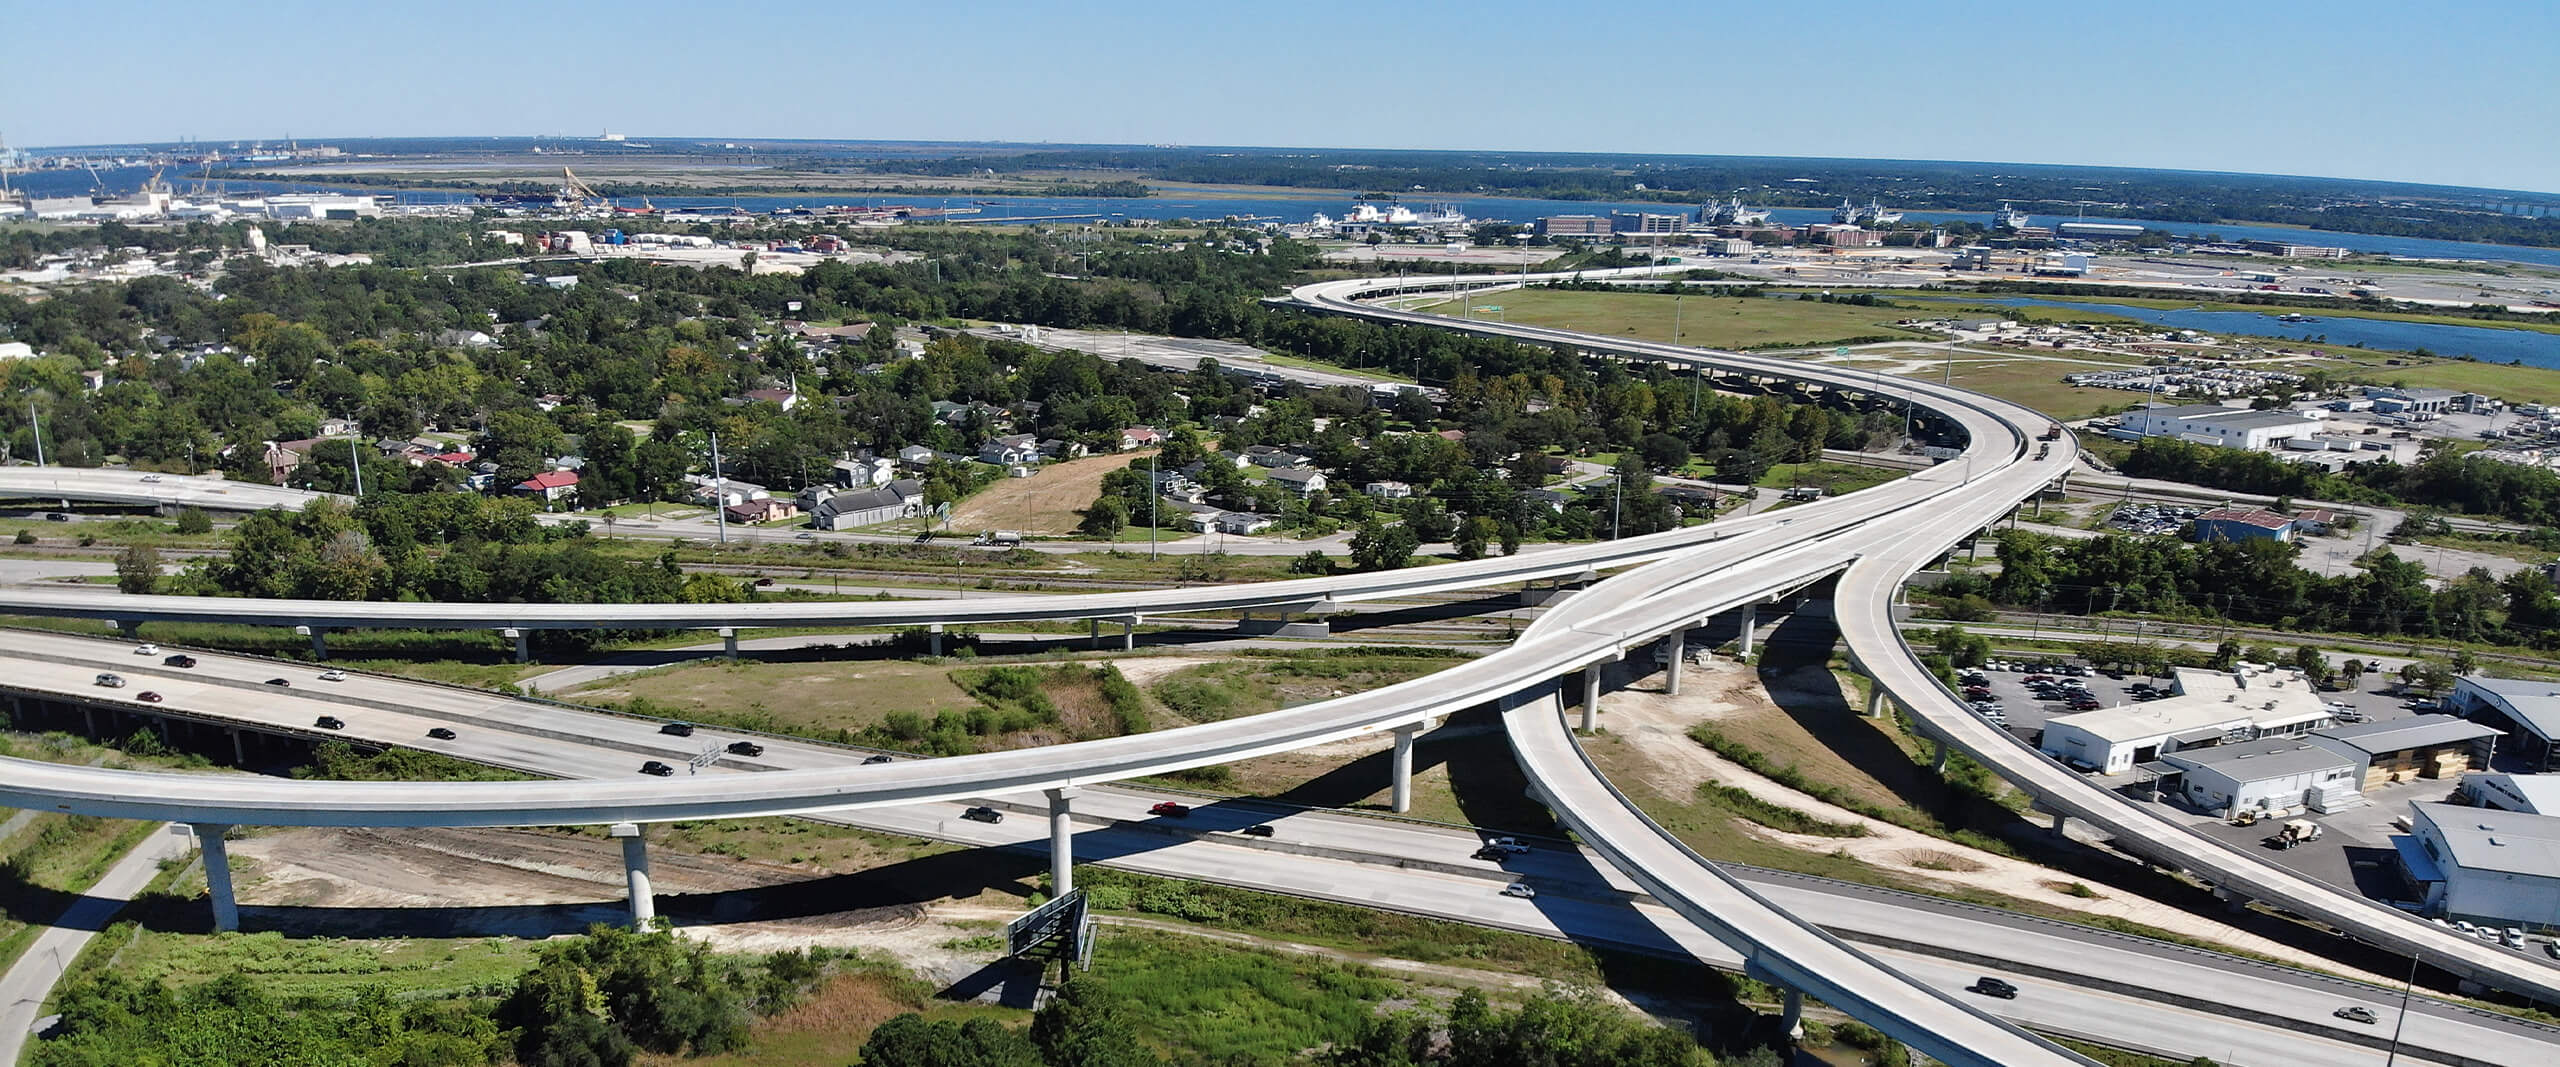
(1049, 502)
(1655, 728)
(832, 695)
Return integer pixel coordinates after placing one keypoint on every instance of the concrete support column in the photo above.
(1791, 1014)
(1750, 625)
(1941, 758)
(239, 750)
(1129, 633)
(130, 628)
(1097, 632)
(729, 642)
(1875, 699)
(1591, 682)
(1400, 784)
(2232, 899)
(1062, 849)
(933, 638)
(2061, 824)
(89, 718)
(1678, 646)
(319, 640)
(217, 875)
(635, 870)
(524, 649)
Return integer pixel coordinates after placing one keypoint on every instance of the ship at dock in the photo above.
(1849, 214)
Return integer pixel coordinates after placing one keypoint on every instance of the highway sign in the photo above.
(1488, 307)
(1840, 351)
(1062, 917)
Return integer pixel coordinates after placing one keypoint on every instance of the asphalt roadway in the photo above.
(2105, 986)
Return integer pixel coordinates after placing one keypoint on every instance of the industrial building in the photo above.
(2209, 708)
(2274, 777)
(1572, 226)
(2497, 867)
(1646, 222)
(2103, 231)
(2293, 251)
(2243, 524)
(2400, 750)
(2528, 794)
(2529, 711)
(2214, 424)
(2392, 401)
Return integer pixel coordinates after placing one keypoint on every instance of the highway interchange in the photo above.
(1750, 561)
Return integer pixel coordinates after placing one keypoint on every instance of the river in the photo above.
(1296, 207)
(2484, 343)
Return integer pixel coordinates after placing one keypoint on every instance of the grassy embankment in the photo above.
(1709, 321)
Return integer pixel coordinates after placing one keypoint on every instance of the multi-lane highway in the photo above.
(1882, 533)
(2103, 986)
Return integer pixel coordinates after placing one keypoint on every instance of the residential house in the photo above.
(865, 473)
(1274, 458)
(1055, 448)
(723, 492)
(866, 507)
(915, 457)
(1388, 490)
(1234, 522)
(783, 398)
(466, 339)
(1010, 450)
(1304, 481)
(1140, 437)
(756, 512)
(551, 487)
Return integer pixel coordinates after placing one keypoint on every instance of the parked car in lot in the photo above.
(441, 733)
(656, 768)
(329, 722)
(1993, 987)
(982, 813)
(677, 729)
(1170, 808)
(745, 748)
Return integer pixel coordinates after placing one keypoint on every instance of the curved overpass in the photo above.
(1786, 551)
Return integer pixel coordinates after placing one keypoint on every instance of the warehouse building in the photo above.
(2243, 524)
(2274, 777)
(2528, 794)
(2216, 425)
(2210, 708)
(2528, 710)
(2500, 868)
(2402, 750)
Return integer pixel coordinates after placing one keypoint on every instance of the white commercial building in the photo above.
(2497, 867)
(2274, 777)
(2529, 794)
(2214, 424)
(2529, 711)
(2210, 708)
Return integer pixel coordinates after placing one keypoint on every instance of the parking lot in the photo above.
(2026, 710)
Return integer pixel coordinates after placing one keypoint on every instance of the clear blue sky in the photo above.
(2458, 92)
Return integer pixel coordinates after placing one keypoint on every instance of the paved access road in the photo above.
(30, 980)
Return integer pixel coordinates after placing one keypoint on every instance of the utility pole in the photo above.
(1155, 490)
(2393, 1057)
(36, 429)
(355, 456)
(1617, 499)
(1675, 320)
(719, 490)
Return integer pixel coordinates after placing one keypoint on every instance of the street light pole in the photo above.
(719, 490)
(1154, 492)
(2393, 1057)
(1617, 498)
(355, 456)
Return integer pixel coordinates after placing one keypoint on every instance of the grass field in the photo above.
(1050, 502)
(1712, 321)
(2036, 383)
(46, 861)
(848, 695)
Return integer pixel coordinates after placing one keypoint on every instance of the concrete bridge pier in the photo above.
(1062, 832)
(524, 648)
(319, 640)
(1750, 630)
(1129, 633)
(933, 638)
(1876, 700)
(239, 749)
(217, 875)
(130, 628)
(1940, 759)
(1097, 632)
(1676, 648)
(729, 642)
(635, 871)
(1400, 784)
(1592, 682)
(1791, 1014)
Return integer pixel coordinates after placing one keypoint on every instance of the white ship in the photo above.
(2009, 218)
(1732, 213)
(1881, 217)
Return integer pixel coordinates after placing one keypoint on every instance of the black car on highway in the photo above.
(656, 768)
(329, 722)
(745, 748)
(1993, 987)
(983, 813)
(179, 661)
(679, 729)
(441, 733)
(868, 761)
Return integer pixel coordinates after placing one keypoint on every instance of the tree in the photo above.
(1380, 547)
(1962, 648)
(909, 1041)
(193, 520)
(137, 569)
(2351, 671)
(1473, 535)
(2311, 663)
(1106, 518)
(2464, 662)
(1083, 1027)
(1510, 539)
(1314, 562)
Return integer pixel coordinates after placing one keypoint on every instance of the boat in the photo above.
(1881, 217)
(1846, 214)
(2295, 316)
(2009, 218)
